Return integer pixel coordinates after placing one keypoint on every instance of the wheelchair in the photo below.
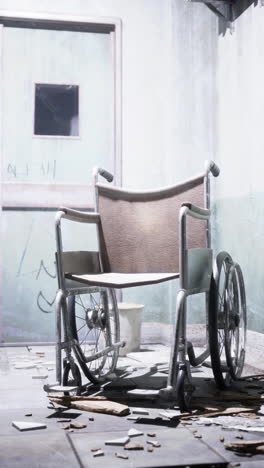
(145, 238)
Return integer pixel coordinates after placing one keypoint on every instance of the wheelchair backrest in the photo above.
(139, 231)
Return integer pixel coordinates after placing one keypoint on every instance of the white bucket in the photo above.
(130, 326)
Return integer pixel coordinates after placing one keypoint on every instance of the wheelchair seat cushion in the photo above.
(122, 280)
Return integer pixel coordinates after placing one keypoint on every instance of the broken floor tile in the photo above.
(132, 446)
(121, 455)
(28, 426)
(134, 433)
(121, 441)
(132, 418)
(99, 453)
(140, 411)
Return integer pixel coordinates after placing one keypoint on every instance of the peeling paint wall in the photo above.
(239, 198)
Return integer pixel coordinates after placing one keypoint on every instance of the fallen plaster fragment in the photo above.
(28, 426)
(28, 414)
(121, 441)
(139, 411)
(221, 438)
(40, 376)
(150, 449)
(132, 418)
(198, 436)
(95, 449)
(239, 436)
(154, 443)
(63, 420)
(121, 455)
(77, 425)
(133, 446)
(91, 419)
(99, 453)
(70, 430)
(134, 433)
(151, 434)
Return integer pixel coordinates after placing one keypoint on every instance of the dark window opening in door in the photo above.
(56, 110)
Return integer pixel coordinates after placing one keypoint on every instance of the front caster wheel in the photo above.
(72, 378)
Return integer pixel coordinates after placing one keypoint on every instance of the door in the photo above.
(58, 122)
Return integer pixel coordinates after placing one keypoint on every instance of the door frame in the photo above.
(22, 195)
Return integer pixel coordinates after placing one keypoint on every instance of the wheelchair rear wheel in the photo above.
(184, 390)
(94, 325)
(218, 300)
(235, 322)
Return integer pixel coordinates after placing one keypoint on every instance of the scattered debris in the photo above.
(63, 420)
(154, 443)
(133, 446)
(221, 438)
(121, 455)
(150, 449)
(132, 418)
(28, 426)
(239, 436)
(96, 404)
(95, 449)
(99, 453)
(74, 425)
(121, 441)
(134, 433)
(151, 434)
(91, 419)
(28, 414)
(171, 414)
(198, 436)
(140, 411)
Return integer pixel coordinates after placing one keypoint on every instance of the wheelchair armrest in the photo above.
(79, 216)
(196, 211)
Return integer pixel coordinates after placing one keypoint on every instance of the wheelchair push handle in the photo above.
(102, 172)
(212, 167)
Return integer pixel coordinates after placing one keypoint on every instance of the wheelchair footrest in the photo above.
(59, 388)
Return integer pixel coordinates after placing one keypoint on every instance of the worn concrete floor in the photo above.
(192, 443)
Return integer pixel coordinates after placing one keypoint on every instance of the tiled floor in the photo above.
(20, 394)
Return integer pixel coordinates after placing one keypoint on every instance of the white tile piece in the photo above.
(134, 432)
(143, 392)
(43, 376)
(28, 426)
(25, 365)
(139, 411)
(121, 441)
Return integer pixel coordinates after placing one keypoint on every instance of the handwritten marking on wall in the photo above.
(47, 303)
(44, 168)
(42, 267)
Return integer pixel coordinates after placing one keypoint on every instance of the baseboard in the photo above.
(154, 332)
